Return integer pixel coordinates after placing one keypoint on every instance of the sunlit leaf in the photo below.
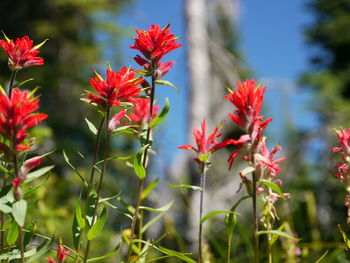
(166, 83)
(91, 126)
(213, 213)
(161, 209)
(12, 234)
(38, 173)
(79, 216)
(19, 210)
(139, 169)
(98, 226)
(113, 252)
(161, 115)
(273, 186)
(278, 233)
(176, 254)
(149, 189)
(185, 186)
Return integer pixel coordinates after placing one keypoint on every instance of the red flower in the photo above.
(16, 182)
(17, 115)
(120, 86)
(209, 145)
(61, 253)
(155, 42)
(30, 164)
(161, 68)
(51, 260)
(21, 52)
(141, 111)
(248, 99)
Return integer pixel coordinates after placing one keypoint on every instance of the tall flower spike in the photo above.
(120, 86)
(155, 42)
(21, 52)
(17, 116)
(207, 145)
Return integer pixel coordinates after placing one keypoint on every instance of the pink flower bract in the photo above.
(141, 111)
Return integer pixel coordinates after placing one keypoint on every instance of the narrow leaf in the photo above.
(176, 254)
(19, 210)
(345, 238)
(97, 227)
(185, 186)
(161, 115)
(91, 206)
(278, 233)
(75, 232)
(113, 252)
(79, 216)
(74, 169)
(28, 235)
(41, 250)
(161, 209)
(166, 83)
(322, 257)
(140, 171)
(38, 173)
(91, 126)
(149, 189)
(213, 213)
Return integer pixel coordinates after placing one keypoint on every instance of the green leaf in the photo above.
(28, 235)
(144, 73)
(166, 83)
(74, 169)
(230, 219)
(41, 250)
(79, 216)
(19, 210)
(322, 257)
(97, 227)
(161, 209)
(345, 238)
(273, 186)
(75, 232)
(38, 173)
(213, 213)
(149, 189)
(113, 252)
(12, 234)
(140, 171)
(161, 115)
(125, 129)
(91, 202)
(91, 126)
(185, 186)
(22, 83)
(176, 254)
(278, 233)
(114, 158)
(204, 157)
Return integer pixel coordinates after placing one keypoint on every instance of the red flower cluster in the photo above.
(120, 86)
(208, 145)
(16, 117)
(140, 115)
(61, 255)
(154, 44)
(21, 52)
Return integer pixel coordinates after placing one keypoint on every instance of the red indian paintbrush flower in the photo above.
(141, 111)
(155, 42)
(248, 100)
(208, 145)
(120, 86)
(21, 52)
(17, 116)
(61, 255)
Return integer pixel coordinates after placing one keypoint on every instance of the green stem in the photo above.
(12, 80)
(269, 247)
(141, 181)
(202, 185)
(105, 158)
(91, 181)
(255, 219)
(229, 242)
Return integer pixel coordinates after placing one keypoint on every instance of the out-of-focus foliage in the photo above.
(330, 36)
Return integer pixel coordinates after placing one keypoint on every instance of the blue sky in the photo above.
(272, 43)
